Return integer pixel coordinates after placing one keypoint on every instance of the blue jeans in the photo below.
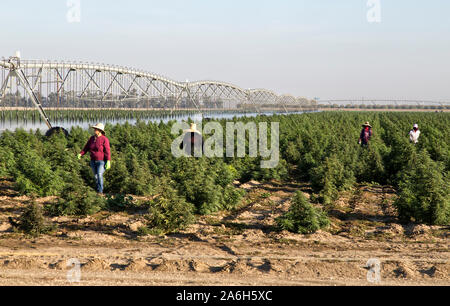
(98, 167)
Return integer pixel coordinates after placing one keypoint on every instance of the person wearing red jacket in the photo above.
(100, 151)
(366, 135)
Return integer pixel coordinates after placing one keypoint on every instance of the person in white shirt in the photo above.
(414, 134)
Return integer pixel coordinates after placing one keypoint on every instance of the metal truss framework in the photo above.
(89, 85)
(59, 84)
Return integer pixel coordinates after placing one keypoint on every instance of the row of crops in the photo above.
(103, 115)
(319, 148)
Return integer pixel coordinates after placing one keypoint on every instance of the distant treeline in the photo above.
(390, 106)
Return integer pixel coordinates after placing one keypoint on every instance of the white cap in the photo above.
(416, 126)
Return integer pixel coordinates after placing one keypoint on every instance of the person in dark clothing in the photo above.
(193, 141)
(365, 135)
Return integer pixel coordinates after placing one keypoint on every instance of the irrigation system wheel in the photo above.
(56, 130)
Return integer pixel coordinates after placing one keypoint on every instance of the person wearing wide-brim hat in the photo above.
(100, 151)
(192, 141)
(193, 129)
(414, 134)
(365, 135)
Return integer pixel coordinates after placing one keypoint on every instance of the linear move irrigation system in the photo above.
(48, 84)
(71, 85)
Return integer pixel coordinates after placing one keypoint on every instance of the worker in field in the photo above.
(100, 151)
(366, 135)
(414, 134)
(192, 142)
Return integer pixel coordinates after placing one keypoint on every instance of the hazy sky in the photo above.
(315, 48)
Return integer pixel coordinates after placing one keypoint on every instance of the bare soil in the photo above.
(235, 248)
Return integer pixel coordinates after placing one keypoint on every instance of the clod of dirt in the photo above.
(300, 268)
(440, 271)
(60, 265)
(86, 220)
(96, 265)
(276, 266)
(253, 234)
(172, 266)
(417, 230)
(137, 265)
(5, 227)
(394, 228)
(405, 270)
(250, 185)
(265, 266)
(321, 236)
(24, 264)
(236, 266)
(135, 226)
(198, 266)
